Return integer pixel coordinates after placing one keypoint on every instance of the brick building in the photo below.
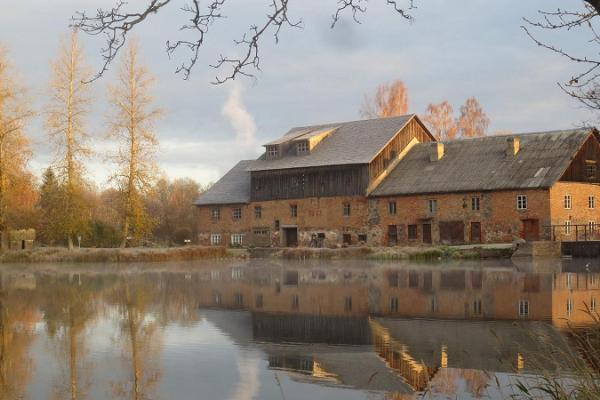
(387, 181)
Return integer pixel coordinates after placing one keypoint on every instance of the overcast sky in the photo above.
(453, 50)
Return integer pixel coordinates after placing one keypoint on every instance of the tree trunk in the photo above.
(125, 233)
(70, 242)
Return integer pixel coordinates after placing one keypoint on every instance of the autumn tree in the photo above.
(132, 126)
(66, 123)
(473, 121)
(14, 144)
(390, 100)
(440, 120)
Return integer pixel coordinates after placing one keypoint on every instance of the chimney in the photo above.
(436, 151)
(513, 144)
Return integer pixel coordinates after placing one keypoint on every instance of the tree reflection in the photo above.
(136, 300)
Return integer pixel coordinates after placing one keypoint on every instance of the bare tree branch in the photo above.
(116, 24)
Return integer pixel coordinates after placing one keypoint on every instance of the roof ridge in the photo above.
(353, 121)
(554, 132)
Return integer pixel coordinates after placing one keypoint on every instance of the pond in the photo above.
(269, 329)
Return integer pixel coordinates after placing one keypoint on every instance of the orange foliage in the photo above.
(473, 121)
(440, 121)
(390, 100)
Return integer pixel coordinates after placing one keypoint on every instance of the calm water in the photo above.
(282, 330)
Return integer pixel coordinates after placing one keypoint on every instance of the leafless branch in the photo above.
(117, 23)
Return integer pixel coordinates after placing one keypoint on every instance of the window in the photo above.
(392, 207)
(593, 304)
(592, 226)
(347, 238)
(523, 308)
(569, 280)
(236, 213)
(276, 224)
(215, 239)
(294, 210)
(258, 212)
(260, 232)
(215, 275)
(346, 209)
(568, 227)
(433, 304)
(412, 232)
(393, 304)
(238, 299)
(362, 237)
(590, 169)
(591, 202)
(348, 303)
(477, 307)
(569, 307)
(215, 214)
(217, 298)
(295, 302)
(475, 203)
(568, 202)
(237, 239)
(432, 204)
(302, 148)
(291, 278)
(237, 273)
(259, 300)
(521, 202)
(272, 152)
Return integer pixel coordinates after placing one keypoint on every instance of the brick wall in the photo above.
(498, 215)
(579, 214)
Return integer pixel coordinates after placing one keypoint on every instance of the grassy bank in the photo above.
(116, 255)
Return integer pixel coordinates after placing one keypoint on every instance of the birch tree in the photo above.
(14, 144)
(390, 100)
(132, 125)
(67, 111)
(440, 120)
(473, 121)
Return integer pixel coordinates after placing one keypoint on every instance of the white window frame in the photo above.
(215, 239)
(522, 202)
(593, 304)
(347, 209)
(568, 202)
(475, 203)
(302, 147)
(432, 206)
(215, 213)
(523, 308)
(237, 239)
(591, 202)
(272, 152)
(568, 227)
(569, 307)
(236, 213)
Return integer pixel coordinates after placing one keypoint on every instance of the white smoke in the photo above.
(239, 117)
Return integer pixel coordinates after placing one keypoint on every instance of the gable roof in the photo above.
(481, 164)
(355, 142)
(232, 188)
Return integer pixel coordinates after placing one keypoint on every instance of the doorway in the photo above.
(531, 229)
(392, 235)
(475, 232)
(427, 233)
(290, 236)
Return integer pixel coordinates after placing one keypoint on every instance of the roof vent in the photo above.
(436, 151)
(513, 145)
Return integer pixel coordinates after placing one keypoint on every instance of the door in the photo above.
(427, 233)
(531, 229)
(291, 237)
(392, 235)
(475, 232)
(452, 232)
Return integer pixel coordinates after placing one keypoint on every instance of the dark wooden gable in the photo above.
(414, 129)
(585, 166)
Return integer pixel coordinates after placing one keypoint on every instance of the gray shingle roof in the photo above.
(481, 164)
(232, 188)
(355, 142)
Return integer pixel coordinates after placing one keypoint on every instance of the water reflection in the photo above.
(376, 331)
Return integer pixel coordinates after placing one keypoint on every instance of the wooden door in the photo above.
(291, 237)
(427, 233)
(452, 232)
(392, 235)
(531, 229)
(475, 232)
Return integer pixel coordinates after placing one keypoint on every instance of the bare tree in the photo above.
(473, 121)
(116, 24)
(584, 85)
(67, 110)
(391, 99)
(132, 125)
(14, 144)
(440, 120)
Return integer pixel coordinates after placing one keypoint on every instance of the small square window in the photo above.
(568, 202)
(432, 205)
(346, 209)
(258, 212)
(294, 210)
(215, 239)
(237, 239)
(475, 203)
(215, 214)
(236, 213)
(392, 207)
(591, 202)
(412, 232)
(302, 148)
(272, 152)
(521, 202)
(590, 169)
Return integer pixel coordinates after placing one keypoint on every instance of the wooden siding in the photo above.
(413, 130)
(309, 182)
(590, 151)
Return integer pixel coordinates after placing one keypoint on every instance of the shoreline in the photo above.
(191, 253)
